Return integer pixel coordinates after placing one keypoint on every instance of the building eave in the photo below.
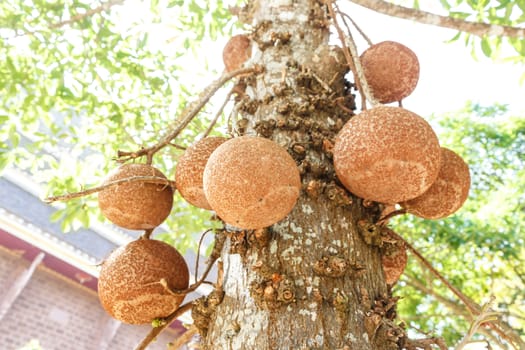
(25, 182)
(29, 236)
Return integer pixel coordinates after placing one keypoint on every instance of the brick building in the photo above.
(48, 279)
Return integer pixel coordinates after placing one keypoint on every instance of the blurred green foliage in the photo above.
(81, 80)
(480, 249)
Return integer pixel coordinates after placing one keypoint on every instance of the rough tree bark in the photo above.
(313, 280)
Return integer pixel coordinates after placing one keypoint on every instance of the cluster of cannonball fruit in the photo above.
(250, 182)
(137, 281)
(385, 154)
(391, 155)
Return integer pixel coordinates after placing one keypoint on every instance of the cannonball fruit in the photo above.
(236, 52)
(251, 182)
(391, 70)
(387, 154)
(135, 205)
(133, 281)
(394, 259)
(191, 167)
(447, 194)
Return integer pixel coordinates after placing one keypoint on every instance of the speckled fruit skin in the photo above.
(391, 70)
(236, 52)
(394, 265)
(190, 169)
(387, 154)
(135, 205)
(129, 285)
(251, 182)
(447, 194)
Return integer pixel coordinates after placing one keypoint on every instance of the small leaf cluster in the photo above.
(501, 12)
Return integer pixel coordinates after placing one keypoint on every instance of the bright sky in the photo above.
(449, 76)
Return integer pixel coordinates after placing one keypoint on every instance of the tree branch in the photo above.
(352, 58)
(197, 283)
(218, 114)
(472, 306)
(477, 28)
(167, 321)
(187, 115)
(183, 339)
(384, 219)
(147, 179)
(503, 329)
(199, 252)
(103, 7)
(89, 13)
(455, 307)
(486, 315)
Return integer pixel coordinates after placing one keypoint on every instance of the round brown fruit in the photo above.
(387, 154)
(135, 205)
(237, 51)
(251, 182)
(133, 281)
(391, 70)
(190, 169)
(394, 258)
(447, 194)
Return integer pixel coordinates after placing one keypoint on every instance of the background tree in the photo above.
(480, 247)
(114, 82)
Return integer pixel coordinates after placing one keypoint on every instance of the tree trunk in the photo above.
(310, 281)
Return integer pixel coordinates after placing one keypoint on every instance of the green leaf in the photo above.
(83, 217)
(519, 45)
(14, 136)
(142, 41)
(4, 160)
(459, 14)
(455, 37)
(57, 215)
(486, 47)
(502, 4)
(174, 3)
(521, 5)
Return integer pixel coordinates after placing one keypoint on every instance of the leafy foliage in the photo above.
(501, 12)
(478, 249)
(81, 82)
